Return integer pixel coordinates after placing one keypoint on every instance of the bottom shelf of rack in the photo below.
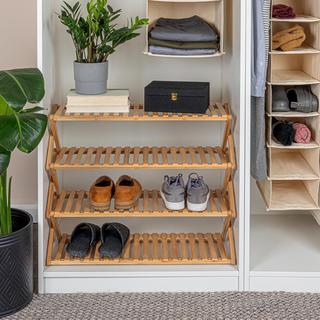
(158, 249)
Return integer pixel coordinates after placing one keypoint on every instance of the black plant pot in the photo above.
(16, 269)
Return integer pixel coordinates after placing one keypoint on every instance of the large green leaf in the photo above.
(9, 132)
(20, 86)
(4, 160)
(33, 127)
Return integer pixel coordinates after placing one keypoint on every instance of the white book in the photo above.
(98, 109)
(111, 98)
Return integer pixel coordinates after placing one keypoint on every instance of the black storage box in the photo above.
(176, 96)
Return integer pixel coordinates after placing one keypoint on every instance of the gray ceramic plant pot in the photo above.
(91, 78)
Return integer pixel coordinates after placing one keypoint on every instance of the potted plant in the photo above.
(21, 128)
(95, 37)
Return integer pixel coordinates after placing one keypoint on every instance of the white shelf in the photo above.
(304, 49)
(293, 114)
(285, 243)
(292, 77)
(218, 54)
(311, 145)
(299, 18)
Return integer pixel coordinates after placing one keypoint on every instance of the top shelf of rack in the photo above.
(215, 112)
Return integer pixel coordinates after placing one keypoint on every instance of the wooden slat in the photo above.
(165, 249)
(221, 248)
(211, 245)
(79, 201)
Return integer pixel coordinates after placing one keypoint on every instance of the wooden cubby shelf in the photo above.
(215, 112)
(142, 157)
(77, 205)
(155, 249)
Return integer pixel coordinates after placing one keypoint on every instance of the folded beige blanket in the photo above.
(289, 39)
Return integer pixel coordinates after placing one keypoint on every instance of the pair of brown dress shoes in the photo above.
(126, 192)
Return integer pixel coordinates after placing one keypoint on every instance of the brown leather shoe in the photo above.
(128, 191)
(101, 193)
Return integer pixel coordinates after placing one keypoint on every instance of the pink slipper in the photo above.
(302, 133)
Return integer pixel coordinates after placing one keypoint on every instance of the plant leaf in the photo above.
(9, 132)
(32, 127)
(4, 160)
(20, 86)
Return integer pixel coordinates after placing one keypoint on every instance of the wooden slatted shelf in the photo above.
(142, 157)
(216, 112)
(77, 205)
(155, 249)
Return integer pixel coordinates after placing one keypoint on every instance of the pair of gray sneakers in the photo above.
(173, 193)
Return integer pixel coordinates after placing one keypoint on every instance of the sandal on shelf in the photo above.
(114, 237)
(280, 101)
(302, 99)
(83, 237)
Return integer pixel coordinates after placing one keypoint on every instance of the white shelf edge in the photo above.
(219, 54)
(295, 146)
(298, 18)
(299, 51)
(293, 114)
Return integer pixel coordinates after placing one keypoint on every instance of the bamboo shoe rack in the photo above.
(144, 248)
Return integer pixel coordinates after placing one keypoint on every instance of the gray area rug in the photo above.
(173, 306)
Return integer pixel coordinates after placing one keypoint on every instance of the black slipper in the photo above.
(283, 132)
(302, 99)
(114, 237)
(83, 237)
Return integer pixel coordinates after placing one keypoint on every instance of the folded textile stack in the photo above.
(281, 11)
(185, 37)
(289, 39)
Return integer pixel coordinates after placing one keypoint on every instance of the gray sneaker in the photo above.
(198, 193)
(173, 192)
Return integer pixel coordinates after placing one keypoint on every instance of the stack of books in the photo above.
(115, 101)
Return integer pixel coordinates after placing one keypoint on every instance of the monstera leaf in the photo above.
(20, 86)
(22, 128)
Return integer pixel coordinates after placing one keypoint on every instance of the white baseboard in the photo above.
(31, 208)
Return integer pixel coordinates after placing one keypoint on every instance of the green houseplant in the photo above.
(21, 128)
(95, 38)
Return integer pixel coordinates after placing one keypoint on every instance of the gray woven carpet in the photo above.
(167, 306)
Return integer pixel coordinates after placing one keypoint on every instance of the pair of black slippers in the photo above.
(113, 236)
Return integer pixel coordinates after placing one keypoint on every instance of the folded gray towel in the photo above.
(181, 52)
(193, 29)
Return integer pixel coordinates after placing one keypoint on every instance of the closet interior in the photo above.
(285, 234)
(168, 250)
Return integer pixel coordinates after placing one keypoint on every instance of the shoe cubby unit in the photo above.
(294, 69)
(290, 195)
(295, 164)
(311, 44)
(311, 121)
(173, 248)
(306, 11)
(212, 11)
(315, 89)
